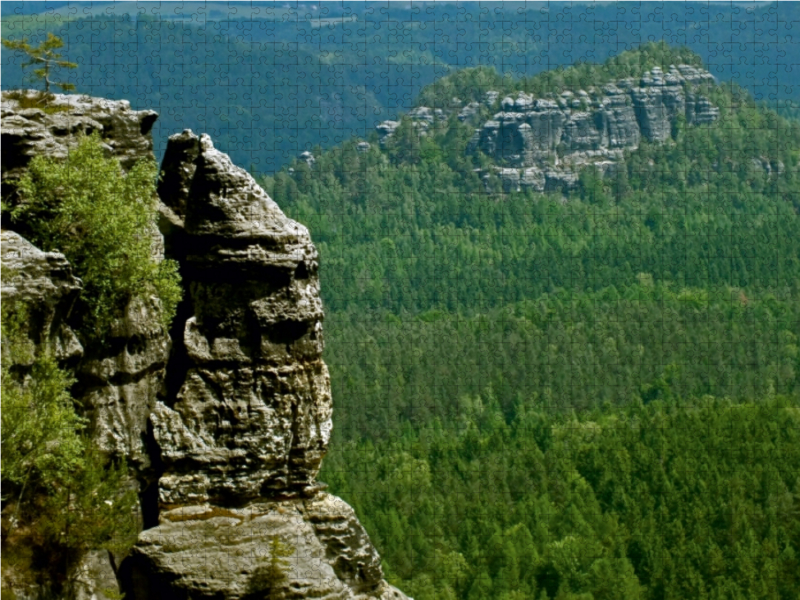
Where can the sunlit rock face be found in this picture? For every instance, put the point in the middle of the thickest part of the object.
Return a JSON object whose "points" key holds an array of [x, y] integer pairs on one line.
{"points": [[204, 551], [545, 141], [246, 416], [32, 131], [251, 411]]}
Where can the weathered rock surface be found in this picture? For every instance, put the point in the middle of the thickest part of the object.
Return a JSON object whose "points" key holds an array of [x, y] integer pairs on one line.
{"points": [[94, 577], [29, 132], [252, 410], [246, 413], [542, 143], [246, 419], [44, 283], [117, 382], [121, 381], [204, 551]]}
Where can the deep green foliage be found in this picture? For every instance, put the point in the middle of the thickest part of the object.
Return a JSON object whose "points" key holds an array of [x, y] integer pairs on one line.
{"points": [[61, 497], [716, 207], [567, 349], [40, 427], [103, 221], [669, 500], [509, 370], [679, 275]]}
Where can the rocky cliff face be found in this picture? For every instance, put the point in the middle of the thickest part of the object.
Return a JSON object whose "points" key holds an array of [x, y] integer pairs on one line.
{"points": [[118, 383], [44, 282], [51, 131], [252, 411], [542, 143], [247, 418], [227, 422]]}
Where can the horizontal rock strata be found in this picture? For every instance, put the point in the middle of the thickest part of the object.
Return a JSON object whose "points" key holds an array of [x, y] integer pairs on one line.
{"points": [[252, 411], [204, 551]]}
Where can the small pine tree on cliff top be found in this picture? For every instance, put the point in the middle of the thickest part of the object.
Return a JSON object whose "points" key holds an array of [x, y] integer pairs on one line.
{"points": [[45, 57]]}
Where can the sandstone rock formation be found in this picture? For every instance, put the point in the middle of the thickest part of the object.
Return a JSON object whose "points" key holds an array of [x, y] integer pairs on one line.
{"points": [[253, 411], [247, 415], [51, 131], [43, 281], [226, 424], [547, 140], [204, 551], [118, 382], [542, 143]]}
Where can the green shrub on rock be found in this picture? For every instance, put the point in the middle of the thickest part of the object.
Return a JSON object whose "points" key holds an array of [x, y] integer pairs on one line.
{"points": [[103, 220], [60, 496]]}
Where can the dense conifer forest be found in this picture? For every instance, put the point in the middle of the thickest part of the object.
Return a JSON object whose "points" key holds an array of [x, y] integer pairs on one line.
{"points": [[582, 394], [590, 394]]}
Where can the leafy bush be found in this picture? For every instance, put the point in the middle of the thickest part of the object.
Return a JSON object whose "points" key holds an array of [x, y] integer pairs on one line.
{"points": [[104, 222], [61, 496], [40, 427]]}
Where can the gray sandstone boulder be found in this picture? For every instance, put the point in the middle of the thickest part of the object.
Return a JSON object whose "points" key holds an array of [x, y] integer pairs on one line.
{"points": [[44, 284], [204, 551]]}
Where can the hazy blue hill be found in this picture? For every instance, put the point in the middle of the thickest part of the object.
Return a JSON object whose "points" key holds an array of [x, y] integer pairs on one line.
{"points": [[318, 74]]}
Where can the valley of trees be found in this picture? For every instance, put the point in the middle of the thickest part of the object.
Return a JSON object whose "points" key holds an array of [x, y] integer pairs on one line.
{"points": [[666, 500], [590, 395]]}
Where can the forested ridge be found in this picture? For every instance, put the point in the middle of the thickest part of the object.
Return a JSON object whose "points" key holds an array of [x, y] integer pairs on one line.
{"points": [[590, 393], [584, 394], [268, 81]]}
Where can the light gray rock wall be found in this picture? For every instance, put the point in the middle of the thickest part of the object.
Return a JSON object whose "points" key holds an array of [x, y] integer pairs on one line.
{"points": [[559, 136], [204, 551], [246, 419], [252, 413]]}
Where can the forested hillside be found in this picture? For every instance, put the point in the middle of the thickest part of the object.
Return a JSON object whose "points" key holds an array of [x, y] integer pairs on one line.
{"points": [[268, 81], [588, 389], [534, 390]]}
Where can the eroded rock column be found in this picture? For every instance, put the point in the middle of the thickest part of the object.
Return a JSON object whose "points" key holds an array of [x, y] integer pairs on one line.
{"points": [[252, 414], [246, 418]]}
